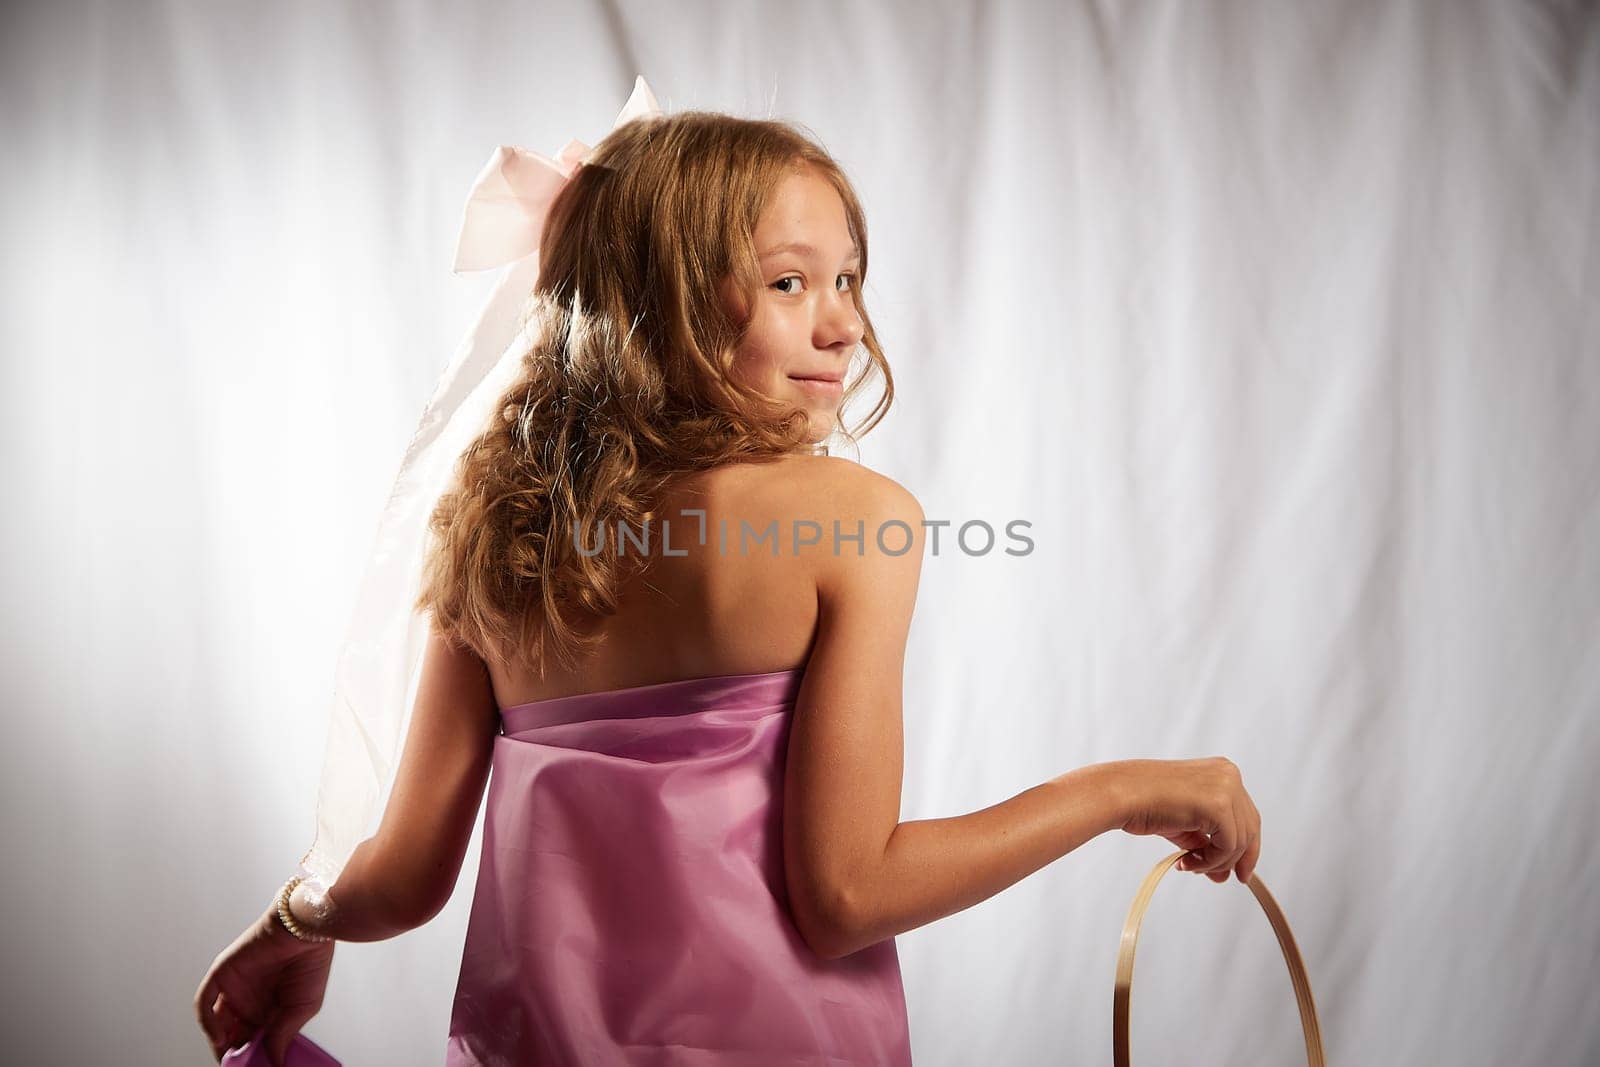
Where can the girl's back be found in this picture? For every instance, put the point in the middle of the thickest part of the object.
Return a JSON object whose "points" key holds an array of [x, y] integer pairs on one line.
{"points": [[714, 610]]}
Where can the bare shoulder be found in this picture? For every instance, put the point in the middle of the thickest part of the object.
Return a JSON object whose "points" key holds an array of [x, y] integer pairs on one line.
{"points": [[850, 482], [867, 523], [823, 522], [826, 488]]}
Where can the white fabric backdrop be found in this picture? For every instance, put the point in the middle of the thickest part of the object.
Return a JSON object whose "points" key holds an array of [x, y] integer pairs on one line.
{"points": [[1278, 322]]}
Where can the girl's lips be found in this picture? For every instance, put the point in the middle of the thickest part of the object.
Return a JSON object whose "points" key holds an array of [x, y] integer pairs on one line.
{"points": [[819, 385]]}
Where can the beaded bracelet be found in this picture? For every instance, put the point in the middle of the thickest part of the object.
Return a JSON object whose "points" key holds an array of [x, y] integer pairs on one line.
{"points": [[286, 917]]}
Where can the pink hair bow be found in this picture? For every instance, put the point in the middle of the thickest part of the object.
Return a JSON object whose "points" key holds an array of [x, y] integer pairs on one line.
{"points": [[505, 211]]}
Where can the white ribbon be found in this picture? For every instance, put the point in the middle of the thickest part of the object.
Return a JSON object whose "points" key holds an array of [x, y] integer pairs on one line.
{"points": [[376, 679]]}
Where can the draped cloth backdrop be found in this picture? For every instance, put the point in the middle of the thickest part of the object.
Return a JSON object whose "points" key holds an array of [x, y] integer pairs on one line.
{"points": [[1276, 324]]}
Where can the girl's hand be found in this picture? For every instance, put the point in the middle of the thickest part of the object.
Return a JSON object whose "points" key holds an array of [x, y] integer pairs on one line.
{"points": [[266, 978], [1200, 805]]}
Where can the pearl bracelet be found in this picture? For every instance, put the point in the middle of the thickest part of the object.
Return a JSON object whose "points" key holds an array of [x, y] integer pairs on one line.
{"points": [[286, 917]]}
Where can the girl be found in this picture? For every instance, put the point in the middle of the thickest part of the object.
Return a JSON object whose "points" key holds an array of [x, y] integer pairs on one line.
{"points": [[675, 628]]}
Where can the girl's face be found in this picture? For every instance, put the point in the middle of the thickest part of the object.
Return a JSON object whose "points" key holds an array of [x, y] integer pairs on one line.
{"points": [[804, 327]]}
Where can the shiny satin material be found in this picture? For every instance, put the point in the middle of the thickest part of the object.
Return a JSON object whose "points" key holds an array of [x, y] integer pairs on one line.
{"points": [[631, 906]]}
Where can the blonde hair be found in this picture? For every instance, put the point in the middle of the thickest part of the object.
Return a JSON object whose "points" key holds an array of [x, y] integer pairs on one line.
{"points": [[628, 385]]}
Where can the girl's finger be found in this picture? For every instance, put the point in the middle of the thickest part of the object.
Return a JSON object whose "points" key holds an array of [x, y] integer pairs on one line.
{"points": [[1252, 843], [1192, 840], [227, 1021], [1252, 856], [1224, 843], [237, 1027], [1197, 843], [206, 1004]]}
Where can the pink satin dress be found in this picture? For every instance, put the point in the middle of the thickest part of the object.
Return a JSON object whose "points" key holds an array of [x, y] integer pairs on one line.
{"points": [[631, 906]]}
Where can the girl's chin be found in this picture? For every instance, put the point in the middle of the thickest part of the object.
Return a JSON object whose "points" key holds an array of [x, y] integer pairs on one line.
{"points": [[823, 411], [822, 425]]}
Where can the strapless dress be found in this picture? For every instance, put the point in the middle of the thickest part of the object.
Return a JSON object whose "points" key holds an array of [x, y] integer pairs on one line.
{"points": [[631, 906]]}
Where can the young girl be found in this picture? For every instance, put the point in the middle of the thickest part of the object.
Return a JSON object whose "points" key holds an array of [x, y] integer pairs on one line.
{"points": [[675, 628]]}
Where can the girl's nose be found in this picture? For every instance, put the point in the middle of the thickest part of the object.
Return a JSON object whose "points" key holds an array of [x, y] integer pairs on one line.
{"points": [[843, 322]]}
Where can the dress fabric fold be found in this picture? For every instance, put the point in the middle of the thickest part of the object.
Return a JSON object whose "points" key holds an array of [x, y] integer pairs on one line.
{"points": [[631, 906]]}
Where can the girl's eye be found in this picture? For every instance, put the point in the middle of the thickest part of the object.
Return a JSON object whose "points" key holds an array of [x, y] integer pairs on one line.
{"points": [[796, 278]]}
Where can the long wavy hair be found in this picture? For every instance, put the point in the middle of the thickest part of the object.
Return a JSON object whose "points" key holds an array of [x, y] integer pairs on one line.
{"points": [[628, 385]]}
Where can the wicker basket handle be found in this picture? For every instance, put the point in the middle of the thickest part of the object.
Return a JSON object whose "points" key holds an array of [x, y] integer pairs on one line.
{"points": [[1280, 926]]}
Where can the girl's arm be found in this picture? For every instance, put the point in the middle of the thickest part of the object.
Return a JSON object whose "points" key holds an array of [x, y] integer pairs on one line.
{"points": [[856, 873], [404, 874]]}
